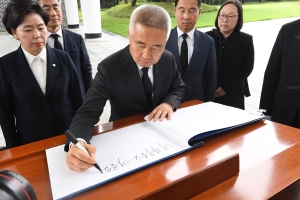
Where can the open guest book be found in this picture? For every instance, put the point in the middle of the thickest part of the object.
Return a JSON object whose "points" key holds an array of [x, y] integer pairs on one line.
{"points": [[132, 148]]}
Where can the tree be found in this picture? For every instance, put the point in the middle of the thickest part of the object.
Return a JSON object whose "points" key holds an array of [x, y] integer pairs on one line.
{"points": [[133, 2]]}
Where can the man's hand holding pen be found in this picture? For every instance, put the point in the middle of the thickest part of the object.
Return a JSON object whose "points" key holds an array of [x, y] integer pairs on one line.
{"points": [[77, 160]]}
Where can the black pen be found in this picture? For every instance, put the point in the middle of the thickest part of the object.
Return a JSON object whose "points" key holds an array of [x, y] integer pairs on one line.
{"points": [[79, 146]]}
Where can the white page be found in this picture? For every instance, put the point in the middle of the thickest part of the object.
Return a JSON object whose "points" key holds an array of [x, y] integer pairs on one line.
{"points": [[118, 152], [132, 147], [193, 120]]}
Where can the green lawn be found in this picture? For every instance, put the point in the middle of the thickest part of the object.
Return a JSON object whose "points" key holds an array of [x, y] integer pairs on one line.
{"points": [[252, 12]]}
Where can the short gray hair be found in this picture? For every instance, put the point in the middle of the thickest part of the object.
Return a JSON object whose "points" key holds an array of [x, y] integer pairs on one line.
{"points": [[39, 1], [151, 16]]}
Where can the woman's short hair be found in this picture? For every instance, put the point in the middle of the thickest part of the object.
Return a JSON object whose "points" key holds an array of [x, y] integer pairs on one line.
{"points": [[16, 11], [151, 16], [238, 4]]}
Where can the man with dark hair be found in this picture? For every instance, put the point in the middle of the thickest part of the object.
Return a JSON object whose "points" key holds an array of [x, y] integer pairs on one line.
{"points": [[194, 52], [68, 41], [140, 78]]}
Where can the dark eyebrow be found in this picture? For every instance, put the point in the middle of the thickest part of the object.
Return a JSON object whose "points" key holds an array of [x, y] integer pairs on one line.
{"points": [[140, 42], [157, 45], [227, 14]]}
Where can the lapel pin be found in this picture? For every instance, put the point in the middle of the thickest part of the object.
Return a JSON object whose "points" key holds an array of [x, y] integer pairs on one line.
{"points": [[53, 65]]}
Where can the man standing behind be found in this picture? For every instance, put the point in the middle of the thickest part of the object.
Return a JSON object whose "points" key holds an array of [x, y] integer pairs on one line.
{"points": [[194, 52], [68, 41], [141, 78], [280, 94]]}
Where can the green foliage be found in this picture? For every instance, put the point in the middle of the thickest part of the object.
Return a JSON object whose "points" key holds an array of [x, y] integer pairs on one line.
{"points": [[125, 10], [208, 8], [121, 11], [78, 3], [252, 12], [271, 10]]}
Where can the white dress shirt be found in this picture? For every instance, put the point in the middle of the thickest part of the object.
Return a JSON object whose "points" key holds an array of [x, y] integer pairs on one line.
{"points": [[38, 66], [50, 40], [189, 40]]}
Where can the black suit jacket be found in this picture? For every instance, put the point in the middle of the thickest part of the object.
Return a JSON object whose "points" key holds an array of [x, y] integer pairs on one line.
{"points": [[118, 81], [280, 94], [235, 63], [201, 73], [75, 46], [26, 114]]}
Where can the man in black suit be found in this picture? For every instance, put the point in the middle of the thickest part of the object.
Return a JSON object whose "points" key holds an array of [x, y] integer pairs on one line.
{"points": [[120, 80], [68, 41], [280, 95]]}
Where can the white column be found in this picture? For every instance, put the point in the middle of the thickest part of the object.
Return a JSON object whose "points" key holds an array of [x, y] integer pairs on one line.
{"points": [[91, 18], [72, 13]]}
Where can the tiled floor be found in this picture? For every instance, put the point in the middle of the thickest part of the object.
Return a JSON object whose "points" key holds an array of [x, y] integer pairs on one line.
{"points": [[264, 34]]}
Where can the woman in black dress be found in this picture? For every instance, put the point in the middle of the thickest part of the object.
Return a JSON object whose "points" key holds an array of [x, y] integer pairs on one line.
{"points": [[235, 55]]}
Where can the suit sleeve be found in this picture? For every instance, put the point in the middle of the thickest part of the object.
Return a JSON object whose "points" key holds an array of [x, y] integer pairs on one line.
{"points": [[7, 114], [88, 115], [244, 70], [272, 75], [176, 89], [210, 73], [86, 67]]}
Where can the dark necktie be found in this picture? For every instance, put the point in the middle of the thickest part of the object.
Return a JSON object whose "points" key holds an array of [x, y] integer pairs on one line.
{"points": [[184, 53], [147, 86], [57, 44]]}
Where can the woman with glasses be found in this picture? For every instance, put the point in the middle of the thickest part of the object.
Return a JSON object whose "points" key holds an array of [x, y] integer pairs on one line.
{"points": [[235, 55], [39, 87]]}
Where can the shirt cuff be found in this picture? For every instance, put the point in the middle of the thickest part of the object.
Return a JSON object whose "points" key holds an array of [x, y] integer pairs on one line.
{"points": [[77, 139]]}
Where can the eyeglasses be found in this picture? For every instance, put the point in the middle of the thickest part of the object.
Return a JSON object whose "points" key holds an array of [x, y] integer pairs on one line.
{"points": [[229, 17]]}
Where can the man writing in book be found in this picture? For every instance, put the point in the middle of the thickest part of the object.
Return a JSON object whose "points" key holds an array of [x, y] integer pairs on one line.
{"points": [[140, 78]]}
